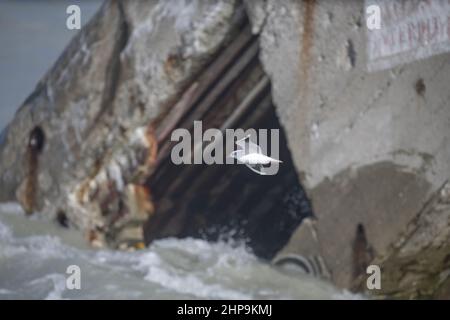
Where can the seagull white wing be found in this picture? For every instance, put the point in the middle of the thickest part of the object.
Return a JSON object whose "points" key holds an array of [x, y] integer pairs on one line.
{"points": [[248, 146], [238, 154], [258, 168]]}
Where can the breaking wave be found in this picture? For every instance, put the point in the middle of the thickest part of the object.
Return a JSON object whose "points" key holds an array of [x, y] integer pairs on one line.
{"points": [[34, 256]]}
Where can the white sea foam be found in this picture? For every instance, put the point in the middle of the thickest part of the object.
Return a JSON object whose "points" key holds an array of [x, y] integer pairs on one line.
{"points": [[34, 256], [57, 283]]}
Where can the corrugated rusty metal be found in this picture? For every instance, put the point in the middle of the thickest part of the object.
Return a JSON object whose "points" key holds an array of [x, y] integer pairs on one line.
{"points": [[190, 200]]}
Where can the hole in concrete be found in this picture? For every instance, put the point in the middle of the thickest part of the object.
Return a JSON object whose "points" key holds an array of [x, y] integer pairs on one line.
{"points": [[62, 220], [351, 53], [36, 140], [420, 87], [360, 231]]}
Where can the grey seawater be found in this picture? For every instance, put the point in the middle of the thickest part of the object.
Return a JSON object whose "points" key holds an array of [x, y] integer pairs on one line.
{"points": [[34, 256]]}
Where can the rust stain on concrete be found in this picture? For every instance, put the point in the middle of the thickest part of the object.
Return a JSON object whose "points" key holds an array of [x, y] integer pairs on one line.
{"points": [[307, 39], [26, 193]]}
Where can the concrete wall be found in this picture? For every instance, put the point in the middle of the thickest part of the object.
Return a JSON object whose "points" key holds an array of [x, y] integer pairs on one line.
{"points": [[370, 148]]}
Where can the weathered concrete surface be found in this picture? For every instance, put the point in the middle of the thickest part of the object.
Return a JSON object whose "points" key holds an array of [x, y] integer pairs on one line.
{"points": [[417, 265], [98, 109], [371, 148]]}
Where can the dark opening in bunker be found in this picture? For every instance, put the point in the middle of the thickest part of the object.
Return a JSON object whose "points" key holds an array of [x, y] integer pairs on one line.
{"points": [[227, 201], [36, 140]]}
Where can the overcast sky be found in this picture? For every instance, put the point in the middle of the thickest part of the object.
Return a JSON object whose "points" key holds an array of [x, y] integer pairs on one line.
{"points": [[33, 34]]}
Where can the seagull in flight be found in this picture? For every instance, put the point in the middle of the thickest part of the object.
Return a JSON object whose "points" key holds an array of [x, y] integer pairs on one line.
{"points": [[252, 156]]}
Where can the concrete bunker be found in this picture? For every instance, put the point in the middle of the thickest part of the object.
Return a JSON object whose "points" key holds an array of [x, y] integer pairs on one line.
{"points": [[228, 201]]}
